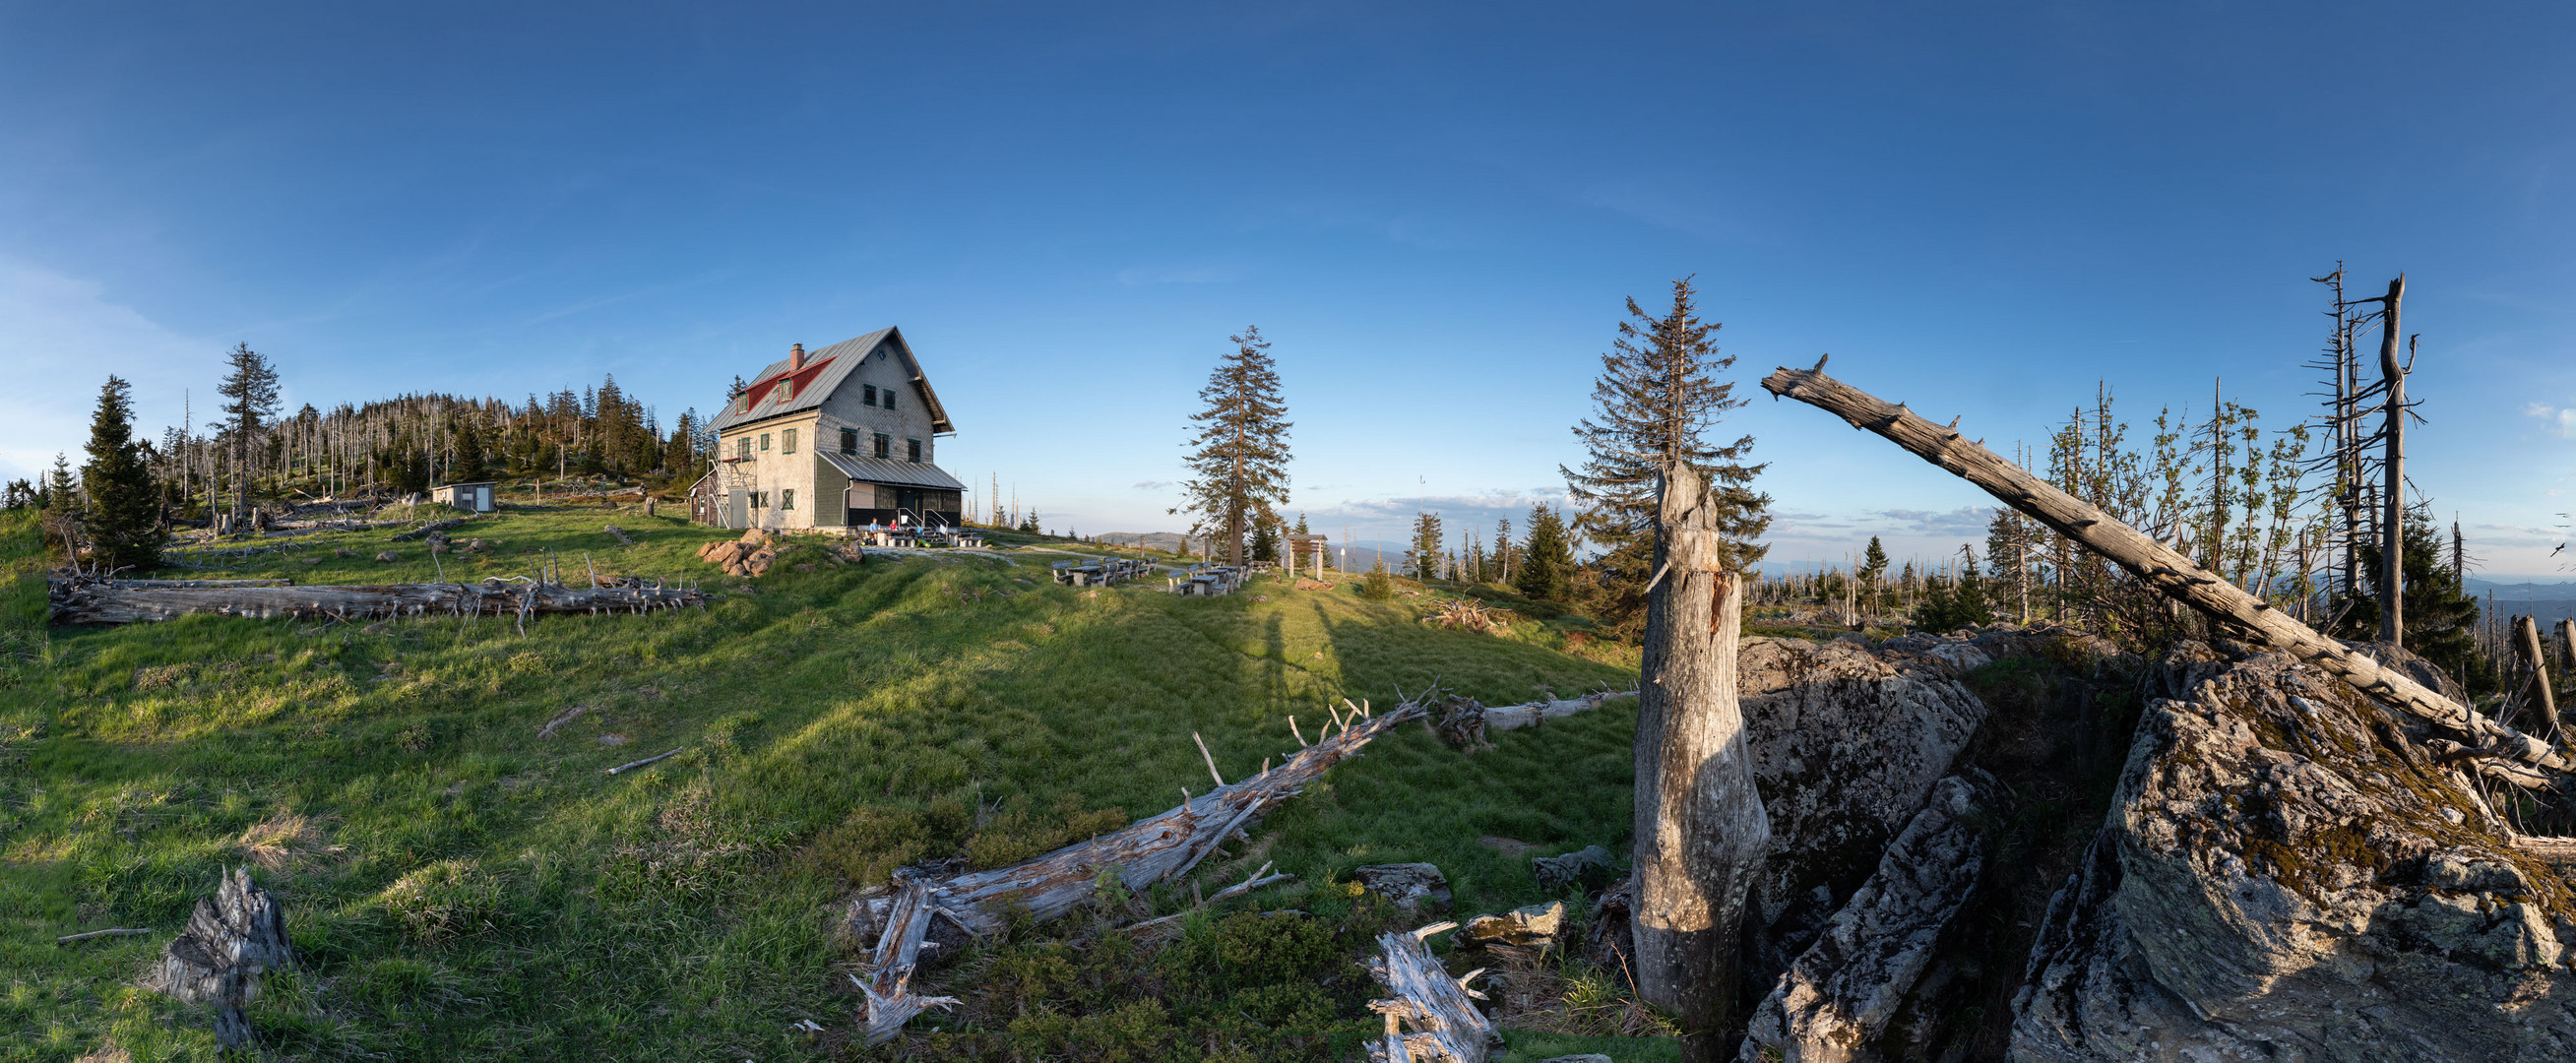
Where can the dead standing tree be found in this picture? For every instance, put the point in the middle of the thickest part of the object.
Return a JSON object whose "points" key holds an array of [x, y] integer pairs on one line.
{"points": [[1700, 827], [2392, 496], [2500, 751]]}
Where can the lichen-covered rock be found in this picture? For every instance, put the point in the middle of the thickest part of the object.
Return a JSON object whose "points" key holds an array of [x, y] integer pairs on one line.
{"points": [[1837, 999], [1848, 742], [1532, 927], [1407, 885], [2284, 875]]}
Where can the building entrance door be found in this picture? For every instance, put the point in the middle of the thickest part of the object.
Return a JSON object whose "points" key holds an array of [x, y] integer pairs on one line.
{"points": [[738, 510]]}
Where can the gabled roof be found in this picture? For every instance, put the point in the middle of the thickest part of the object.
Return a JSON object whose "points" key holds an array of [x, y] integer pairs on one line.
{"points": [[823, 373]]}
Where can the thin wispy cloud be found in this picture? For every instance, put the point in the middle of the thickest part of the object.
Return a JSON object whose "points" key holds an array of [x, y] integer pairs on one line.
{"points": [[2557, 421]]}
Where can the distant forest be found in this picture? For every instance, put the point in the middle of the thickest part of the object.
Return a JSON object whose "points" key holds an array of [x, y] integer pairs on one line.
{"points": [[406, 444]]}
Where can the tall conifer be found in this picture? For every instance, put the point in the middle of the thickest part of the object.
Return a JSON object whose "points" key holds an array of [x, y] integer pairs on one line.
{"points": [[1655, 401], [1422, 561], [250, 391], [1238, 458], [124, 516]]}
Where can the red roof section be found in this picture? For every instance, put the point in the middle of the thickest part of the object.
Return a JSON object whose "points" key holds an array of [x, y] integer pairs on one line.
{"points": [[759, 390]]}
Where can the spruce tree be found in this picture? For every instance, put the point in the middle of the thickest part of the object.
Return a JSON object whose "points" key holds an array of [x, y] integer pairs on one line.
{"points": [[468, 466], [1238, 458], [2441, 614], [1547, 557], [1422, 561], [250, 391], [1265, 541], [62, 492], [124, 517], [1657, 398]]}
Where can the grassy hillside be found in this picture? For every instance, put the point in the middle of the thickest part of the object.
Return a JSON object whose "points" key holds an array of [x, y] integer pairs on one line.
{"points": [[463, 886]]}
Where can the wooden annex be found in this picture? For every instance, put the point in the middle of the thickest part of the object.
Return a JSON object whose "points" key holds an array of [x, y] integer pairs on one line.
{"points": [[840, 437]]}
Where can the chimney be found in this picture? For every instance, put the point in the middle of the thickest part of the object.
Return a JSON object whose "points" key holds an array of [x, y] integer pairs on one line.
{"points": [[796, 358]]}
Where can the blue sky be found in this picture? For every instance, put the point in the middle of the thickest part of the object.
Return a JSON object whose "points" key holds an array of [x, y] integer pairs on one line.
{"points": [[1434, 212]]}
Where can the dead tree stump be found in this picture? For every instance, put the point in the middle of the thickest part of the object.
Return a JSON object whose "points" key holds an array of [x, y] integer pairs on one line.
{"points": [[1700, 827], [230, 941]]}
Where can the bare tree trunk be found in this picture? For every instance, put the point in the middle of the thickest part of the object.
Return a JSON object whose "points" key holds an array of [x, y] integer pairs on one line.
{"points": [[2526, 645], [2160, 566], [2392, 538], [1700, 828]]}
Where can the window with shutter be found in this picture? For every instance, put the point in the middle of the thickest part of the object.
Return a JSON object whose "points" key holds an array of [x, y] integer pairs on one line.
{"points": [[868, 395], [849, 441], [885, 445], [787, 442], [913, 447]]}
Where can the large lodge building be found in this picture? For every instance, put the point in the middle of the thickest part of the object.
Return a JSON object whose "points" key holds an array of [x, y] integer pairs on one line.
{"points": [[840, 437]]}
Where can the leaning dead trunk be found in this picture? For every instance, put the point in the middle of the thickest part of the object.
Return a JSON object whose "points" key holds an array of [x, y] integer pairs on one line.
{"points": [[1700, 827], [2177, 576]]}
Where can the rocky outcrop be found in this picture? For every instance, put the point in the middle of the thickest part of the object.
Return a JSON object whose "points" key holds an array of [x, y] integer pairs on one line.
{"points": [[2286, 875], [752, 555], [1848, 742], [1838, 998]]}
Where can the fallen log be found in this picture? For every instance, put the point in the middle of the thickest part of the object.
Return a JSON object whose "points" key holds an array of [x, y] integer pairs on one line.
{"points": [[79, 601], [1046, 887], [2179, 577], [1447, 1027], [1529, 714], [190, 584], [620, 534]]}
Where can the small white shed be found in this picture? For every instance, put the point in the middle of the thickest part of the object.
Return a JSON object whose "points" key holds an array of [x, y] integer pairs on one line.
{"points": [[472, 498]]}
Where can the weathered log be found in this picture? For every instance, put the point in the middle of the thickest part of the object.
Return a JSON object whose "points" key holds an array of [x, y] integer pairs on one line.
{"points": [[2172, 573], [1700, 827], [1447, 1028], [1515, 717], [194, 584], [230, 941], [620, 534], [888, 987], [75, 601], [1141, 854]]}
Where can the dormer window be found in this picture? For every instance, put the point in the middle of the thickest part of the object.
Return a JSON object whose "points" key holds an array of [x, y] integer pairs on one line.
{"points": [[868, 395]]}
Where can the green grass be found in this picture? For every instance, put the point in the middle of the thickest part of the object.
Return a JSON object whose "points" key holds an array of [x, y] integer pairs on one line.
{"points": [[459, 888]]}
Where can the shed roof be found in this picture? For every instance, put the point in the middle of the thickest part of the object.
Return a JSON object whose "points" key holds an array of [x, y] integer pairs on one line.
{"points": [[890, 471], [823, 373]]}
